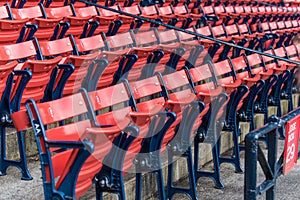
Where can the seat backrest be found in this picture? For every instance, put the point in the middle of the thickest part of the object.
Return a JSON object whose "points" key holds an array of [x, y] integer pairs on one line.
{"points": [[265, 27], [243, 28], [203, 78], [288, 24], [224, 72], [208, 10], [255, 63], [240, 66], [219, 9], [165, 10], [262, 9], [180, 9], [206, 30], [281, 25], [146, 38], [93, 43], [60, 12], [62, 158], [168, 36], [273, 26], [148, 94], [247, 9], [56, 47], [232, 30], [113, 105], [4, 12], [291, 52], [120, 41], [183, 37], [149, 10], [108, 13], [229, 9], [30, 12], [89, 11], [178, 87], [219, 31], [239, 9], [135, 9], [280, 52]]}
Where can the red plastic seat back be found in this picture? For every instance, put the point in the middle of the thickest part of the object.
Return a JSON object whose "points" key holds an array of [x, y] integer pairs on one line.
{"points": [[135, 9], [179, 89], [240, 67], [59, 12], [30, 12], [292, 52], [56, 47], [168, 36], [4, 13], [219, 31], [223, 72], [112, 104], [120, 41], [149, 10], [146, 38], [166, 10], [144, 91], [202, 78], [232, 30], [89, 11], [255, 63], [93, 43], [208, 10]]}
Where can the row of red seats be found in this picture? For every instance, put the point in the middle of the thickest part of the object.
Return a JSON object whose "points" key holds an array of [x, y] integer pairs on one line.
{"points": [[230, 76], [227, 77]]}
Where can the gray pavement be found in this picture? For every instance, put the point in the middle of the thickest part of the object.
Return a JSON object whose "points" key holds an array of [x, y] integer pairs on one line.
{"points": [[11, 187]]}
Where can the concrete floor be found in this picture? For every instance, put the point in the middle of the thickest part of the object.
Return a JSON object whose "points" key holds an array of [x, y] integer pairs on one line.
{"points": [[11, 187]]}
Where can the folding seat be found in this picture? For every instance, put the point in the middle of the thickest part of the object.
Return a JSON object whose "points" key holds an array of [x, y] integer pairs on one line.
{"points": [[189, 110], [173, 51], [13, 31], [251, 70], [236, 32], [289, 52], [225, 13], [129, 22], [146, 48], [211, 93], [211, 46], [239, 14], [183, 14], [237, 92], [31, 78], [179, 104], [101, 20], [150, 12], [72, 154], [108, 65], [180, 19], [209, 15], [67, 14], [221, 53], [269, 37], [47, 28], [65, 48], [152, 126]]}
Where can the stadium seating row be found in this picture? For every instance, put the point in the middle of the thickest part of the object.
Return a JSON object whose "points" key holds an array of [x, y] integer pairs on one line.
{"points": [[140, 96]]}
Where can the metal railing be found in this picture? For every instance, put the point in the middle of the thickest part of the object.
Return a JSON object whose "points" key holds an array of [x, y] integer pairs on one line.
{"points": [[271, 165]]}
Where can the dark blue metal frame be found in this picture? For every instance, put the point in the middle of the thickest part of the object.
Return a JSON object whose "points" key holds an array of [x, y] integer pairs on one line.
{"points": [[271, 166]]}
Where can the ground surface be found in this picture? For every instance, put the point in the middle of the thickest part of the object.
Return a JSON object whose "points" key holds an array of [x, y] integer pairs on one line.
{"points": [[11, 187]]}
